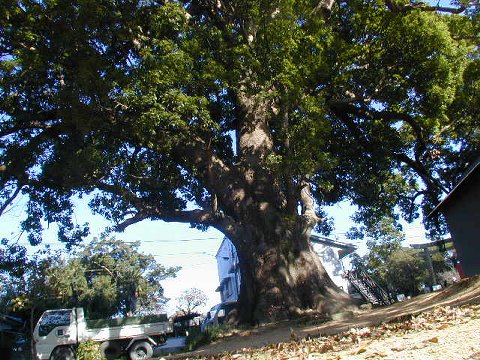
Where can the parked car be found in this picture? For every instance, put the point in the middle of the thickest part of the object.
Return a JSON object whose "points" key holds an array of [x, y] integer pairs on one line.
{"points": [[218, 314]]}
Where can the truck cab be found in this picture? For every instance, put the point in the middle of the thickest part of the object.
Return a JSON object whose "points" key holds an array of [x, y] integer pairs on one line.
{"points": [[55, 328], [58, 333]]}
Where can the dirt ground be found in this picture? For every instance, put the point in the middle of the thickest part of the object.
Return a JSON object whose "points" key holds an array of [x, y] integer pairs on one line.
{"points": [[440, 325]]}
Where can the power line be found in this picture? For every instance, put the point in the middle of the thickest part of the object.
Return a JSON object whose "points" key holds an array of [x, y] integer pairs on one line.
{"points": [[132, 241], [184, 253], [173, 240]]}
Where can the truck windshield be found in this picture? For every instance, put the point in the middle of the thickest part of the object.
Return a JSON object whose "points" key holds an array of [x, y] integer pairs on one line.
{"points": [[52, 319]]}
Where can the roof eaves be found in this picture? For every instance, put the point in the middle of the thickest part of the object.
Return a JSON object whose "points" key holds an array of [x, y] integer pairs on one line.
{"points": [[475, 166], [330, 242]]}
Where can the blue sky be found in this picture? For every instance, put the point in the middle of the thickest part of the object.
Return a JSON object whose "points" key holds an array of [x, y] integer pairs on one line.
{"points": [[175, 244], [172, 244]]}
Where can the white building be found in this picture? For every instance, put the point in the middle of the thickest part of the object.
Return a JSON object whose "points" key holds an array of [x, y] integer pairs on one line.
{"points": [[331, 253], [228, 271]]}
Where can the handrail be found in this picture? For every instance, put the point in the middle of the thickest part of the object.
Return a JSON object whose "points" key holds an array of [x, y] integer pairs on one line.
{"points": [[371, 291]]}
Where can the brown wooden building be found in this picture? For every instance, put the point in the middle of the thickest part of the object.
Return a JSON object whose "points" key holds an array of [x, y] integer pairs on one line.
{"points": [[461, 208]]}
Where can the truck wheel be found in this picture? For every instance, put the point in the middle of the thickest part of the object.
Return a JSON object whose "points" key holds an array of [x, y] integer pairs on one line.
{"points": [[62, 353], [110, 350], [140, 350]]}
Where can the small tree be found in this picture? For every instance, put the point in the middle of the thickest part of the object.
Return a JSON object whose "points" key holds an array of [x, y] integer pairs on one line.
{"points": [[406, 271], [190, 300], [391, 265], [107, 278], [383, 238], [118, 271]]}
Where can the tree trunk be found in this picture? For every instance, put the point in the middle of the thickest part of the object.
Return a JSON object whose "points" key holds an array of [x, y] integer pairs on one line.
{"points": [[282, 276]]}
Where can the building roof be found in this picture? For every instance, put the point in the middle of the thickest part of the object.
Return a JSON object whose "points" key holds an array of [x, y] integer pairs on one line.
{"points": [[344, 249], [331, 242], [467, 179], [225, 240]]}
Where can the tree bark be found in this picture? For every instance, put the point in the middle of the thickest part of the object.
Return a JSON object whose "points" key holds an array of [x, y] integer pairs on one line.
{"points": [[281, 275]]}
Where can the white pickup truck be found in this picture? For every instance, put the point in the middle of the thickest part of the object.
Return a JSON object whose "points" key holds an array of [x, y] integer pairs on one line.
{"points": [[58, 333]]}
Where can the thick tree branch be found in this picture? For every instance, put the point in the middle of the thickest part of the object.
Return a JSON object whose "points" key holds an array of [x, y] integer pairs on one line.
{"points": [[223, 181], [324, 7], [421, 145], [422, 172], [389, 116], [8, 201], [24, 122], [145, 210], [344, 111], [120, 227], [308, 203], [411, 200]]}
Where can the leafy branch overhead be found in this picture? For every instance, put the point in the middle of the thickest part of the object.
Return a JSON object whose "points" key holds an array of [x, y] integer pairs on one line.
{"points": [[248, 116], [140, 101]]}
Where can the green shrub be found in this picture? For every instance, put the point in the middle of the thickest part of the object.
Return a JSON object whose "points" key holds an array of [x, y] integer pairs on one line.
{"points": [[99, 323], [89, 350], [196, 338]]}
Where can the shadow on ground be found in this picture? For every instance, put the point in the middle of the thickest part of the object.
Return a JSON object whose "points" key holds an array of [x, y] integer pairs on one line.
{"points": [[464, 292]]}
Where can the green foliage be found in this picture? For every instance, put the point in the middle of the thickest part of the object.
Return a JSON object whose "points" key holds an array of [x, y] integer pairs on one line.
{"points": [[196, 338], [108, 277], [89, 350], [393, 266], [24, 289], [406, 271], [121, 280], [441, 263], [397, 268], [378, 106]]}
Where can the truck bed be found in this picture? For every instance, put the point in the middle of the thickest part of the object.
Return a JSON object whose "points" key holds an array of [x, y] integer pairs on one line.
{"points": [[102, 323], [126, 331]]}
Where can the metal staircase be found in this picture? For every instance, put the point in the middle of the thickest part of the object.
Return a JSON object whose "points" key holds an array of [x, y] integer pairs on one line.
{"points": [[368, 288]]}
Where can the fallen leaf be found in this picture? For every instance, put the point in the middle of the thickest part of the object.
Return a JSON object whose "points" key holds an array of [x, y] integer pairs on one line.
{"points": [[361, 350], [398, 347], [324, 348], [433, 340]]}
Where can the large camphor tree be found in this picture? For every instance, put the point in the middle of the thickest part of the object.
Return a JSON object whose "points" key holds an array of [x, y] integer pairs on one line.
{"points": [[246, 116]]}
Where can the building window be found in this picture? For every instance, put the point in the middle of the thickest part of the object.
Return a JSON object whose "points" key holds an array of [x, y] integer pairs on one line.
{"points": [[228, 287]]}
